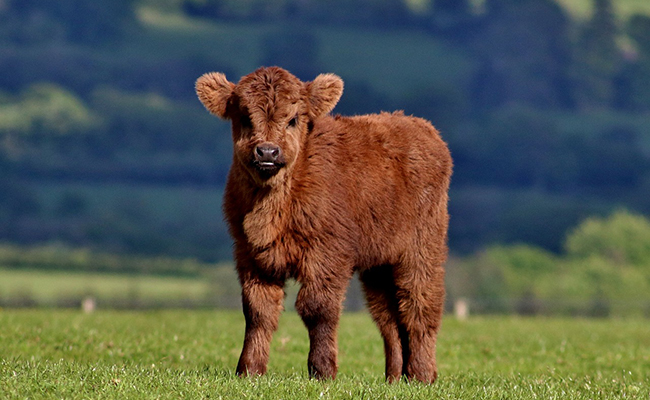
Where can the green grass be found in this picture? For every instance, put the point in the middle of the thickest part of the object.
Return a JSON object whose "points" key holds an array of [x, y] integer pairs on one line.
{"points": [[179, 354]]}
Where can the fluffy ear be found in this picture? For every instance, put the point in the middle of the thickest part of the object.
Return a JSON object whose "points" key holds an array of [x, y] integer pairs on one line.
{"points": [[324, 92], [214, 91]]}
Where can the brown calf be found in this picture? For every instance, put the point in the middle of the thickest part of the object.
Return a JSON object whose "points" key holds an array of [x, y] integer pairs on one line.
{"points": [[315, 198]]}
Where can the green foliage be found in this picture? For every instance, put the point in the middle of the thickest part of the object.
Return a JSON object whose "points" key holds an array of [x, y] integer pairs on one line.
{"points": [[605, 271], [501, 79], [450, 13], [294, 48], [522, 267], [583, 9], [46, 109], [622, 238], [612, 257], [525, 51], [538, 158], [64, 259], [359, 12], [598, 58], [638, 29], [180, 354], [38, 21], [233, 9], [479, 281], [151, 123]]}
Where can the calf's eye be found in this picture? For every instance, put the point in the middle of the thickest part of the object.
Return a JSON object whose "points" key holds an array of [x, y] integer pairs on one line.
{"points": [[293, 122], [245, 121]]}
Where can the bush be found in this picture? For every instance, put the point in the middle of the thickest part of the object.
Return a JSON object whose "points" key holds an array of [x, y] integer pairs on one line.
{"points": [[605, 271], [148, 122], [623, 238], [81, 21], [46, 109], [61, 258]]}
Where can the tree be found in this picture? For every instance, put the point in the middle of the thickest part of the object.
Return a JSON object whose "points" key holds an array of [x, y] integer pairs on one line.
{"points": [[16, 199], [605, 270], [522, 267], [78, 21], [623, 238], [598, 58], [638, 68], [452, 18], [523, 50], [45, 109], [294, 48], [610, 258], [251, 10], [378, 13]]}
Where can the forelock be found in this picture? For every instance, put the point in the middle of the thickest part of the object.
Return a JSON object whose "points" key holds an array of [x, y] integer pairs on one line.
{"points": [[268, 91]]}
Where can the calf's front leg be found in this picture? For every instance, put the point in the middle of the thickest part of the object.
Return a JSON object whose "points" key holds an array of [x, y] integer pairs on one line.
{"points": [[262, 302]]}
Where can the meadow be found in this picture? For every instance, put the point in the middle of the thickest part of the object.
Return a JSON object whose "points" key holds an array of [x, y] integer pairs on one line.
{"points": [[192, 354], [55, 288]]}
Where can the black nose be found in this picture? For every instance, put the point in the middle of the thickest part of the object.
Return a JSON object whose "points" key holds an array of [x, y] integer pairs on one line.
{"points": [[267, 152]]}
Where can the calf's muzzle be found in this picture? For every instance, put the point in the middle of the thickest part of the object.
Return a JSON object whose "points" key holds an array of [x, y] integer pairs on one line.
{"points": [[268, 153]]}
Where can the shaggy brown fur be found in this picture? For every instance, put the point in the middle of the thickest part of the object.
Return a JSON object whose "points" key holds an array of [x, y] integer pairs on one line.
{"points": [[315, 198]]}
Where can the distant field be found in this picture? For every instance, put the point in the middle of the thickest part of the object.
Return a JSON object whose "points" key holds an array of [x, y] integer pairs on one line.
{"points": [[42, 288], [46, 288], [181, 354]]}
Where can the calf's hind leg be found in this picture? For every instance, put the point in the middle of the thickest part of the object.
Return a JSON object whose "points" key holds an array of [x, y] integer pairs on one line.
{"points": [[420, 295], [380, 292]]}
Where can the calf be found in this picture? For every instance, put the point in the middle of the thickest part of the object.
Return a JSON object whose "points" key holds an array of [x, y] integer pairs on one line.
{"points": [[316, 197]]}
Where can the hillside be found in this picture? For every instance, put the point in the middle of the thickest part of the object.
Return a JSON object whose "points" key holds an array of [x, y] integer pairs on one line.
{"points": [[104, 145]]}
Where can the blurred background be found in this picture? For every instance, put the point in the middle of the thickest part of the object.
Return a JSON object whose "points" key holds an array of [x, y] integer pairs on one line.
{"points": [[111, 172]]}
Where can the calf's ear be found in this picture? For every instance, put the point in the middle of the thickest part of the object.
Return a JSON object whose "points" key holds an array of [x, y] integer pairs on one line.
{"points": [[215, 91], [324, 92]]}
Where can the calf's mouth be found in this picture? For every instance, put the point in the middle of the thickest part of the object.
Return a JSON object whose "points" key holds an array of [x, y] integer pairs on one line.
{"points": [[268, 159], [267, 166]]}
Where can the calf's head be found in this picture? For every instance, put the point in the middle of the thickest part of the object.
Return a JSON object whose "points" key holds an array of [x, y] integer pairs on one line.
{"points": [[271, 112]]}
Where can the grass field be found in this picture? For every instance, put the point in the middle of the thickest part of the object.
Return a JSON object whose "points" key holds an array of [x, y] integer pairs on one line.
{"points": [[217, 286], [47, 288], [180, 354]]}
